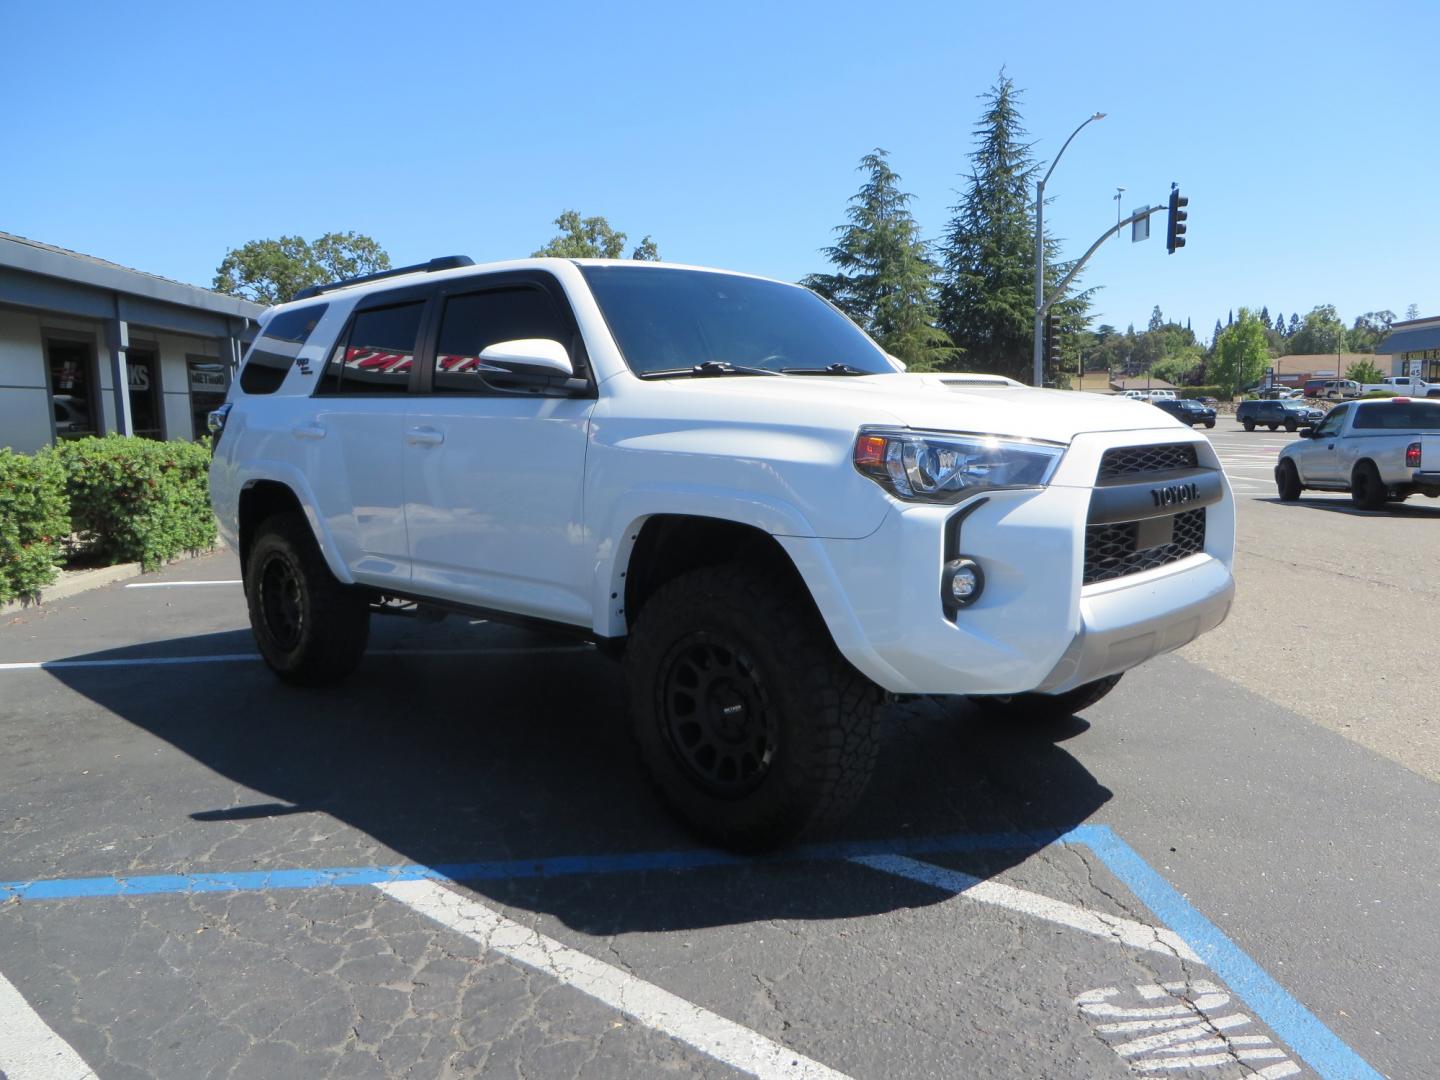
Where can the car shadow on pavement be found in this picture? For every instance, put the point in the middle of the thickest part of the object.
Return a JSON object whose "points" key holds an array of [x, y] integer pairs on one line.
{"points": [[456, 743], [1341, 504]]}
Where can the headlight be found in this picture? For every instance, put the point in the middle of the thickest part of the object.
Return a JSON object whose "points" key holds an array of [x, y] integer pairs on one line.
{"points": [[934, 467]]}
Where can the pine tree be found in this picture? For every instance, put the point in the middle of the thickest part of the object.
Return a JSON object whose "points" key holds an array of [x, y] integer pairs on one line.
{"points": [[885, 280], [987, 299], [1265, 316], [1294, 326], [1157, 320], [1216, 336], [1280, 323], [1231, 320]]}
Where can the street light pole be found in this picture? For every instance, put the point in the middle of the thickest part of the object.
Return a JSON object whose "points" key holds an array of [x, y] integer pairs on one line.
{"points": [[1039, 351]]}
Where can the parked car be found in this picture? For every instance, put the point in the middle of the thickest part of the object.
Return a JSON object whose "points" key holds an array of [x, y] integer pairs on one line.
{"points": [[722, 481], [1291, 414], [1381, 451], [1149, 395], [1186, 411], [1332, 389], [1278, 392], [1403, 384]]}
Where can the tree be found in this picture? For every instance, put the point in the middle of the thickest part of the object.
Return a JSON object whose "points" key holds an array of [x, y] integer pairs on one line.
{"points": [[1293, 328], [987, 294], [1321, 332], [273, 271], [1280, 324], [1412, 312], [1240, 354], [1156, 319], [1215, 337], [1369, 330], [1364, 371], [592, 238], [884, 278]]}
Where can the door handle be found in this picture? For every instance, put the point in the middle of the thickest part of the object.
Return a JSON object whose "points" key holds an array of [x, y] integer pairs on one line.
{"points": [[424, 436], [308, 431]]}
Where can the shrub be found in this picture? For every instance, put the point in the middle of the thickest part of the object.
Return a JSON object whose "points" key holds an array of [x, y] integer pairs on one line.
{"points": [[1380, 393], [138, 500], [1222, 392], [34, 520]]}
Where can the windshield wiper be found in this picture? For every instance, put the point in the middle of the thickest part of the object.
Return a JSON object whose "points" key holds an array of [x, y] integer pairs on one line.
{"points": [[708, 369], [829, 369]]}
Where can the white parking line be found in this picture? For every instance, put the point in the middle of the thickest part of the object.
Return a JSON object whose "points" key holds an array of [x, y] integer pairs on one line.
{"points": [[179, 584], [708, 1032], [29, 1050], [1111, 927], [249, 658]]}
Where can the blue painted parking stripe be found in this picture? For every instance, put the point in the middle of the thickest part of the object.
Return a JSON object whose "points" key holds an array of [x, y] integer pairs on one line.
{"points": [[1320, 1047], [560, 866]]}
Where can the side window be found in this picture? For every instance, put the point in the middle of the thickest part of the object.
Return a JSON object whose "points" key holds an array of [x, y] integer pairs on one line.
{"points": [[376, 356], [275, 350], [1332, 423], [472, 322]]}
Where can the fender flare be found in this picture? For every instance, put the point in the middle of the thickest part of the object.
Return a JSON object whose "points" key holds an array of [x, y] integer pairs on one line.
{"points": [[277, 472]]}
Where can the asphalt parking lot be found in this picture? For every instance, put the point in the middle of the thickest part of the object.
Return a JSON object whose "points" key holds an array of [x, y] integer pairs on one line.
{"points": [[452, 865]]}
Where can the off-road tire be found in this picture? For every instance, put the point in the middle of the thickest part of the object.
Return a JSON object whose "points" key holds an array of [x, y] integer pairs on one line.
{"points": [[1292, 425], [1048, 708], [1287, 481], [800, 749], [1272, 427], [1249, 425], [1209, 423], [311, 629], [1367, 490]]}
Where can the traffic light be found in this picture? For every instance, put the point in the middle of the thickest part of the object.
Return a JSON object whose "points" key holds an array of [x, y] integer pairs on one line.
{"points": [[1175, 233]]}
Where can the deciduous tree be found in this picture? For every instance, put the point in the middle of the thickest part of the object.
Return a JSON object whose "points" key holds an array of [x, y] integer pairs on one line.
{"points": [[1240, 353], [592, 238], [273, 271]]}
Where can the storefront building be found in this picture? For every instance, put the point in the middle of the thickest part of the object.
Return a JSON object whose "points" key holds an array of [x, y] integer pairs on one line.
{"points": [[1416, 345], [73, 329]]}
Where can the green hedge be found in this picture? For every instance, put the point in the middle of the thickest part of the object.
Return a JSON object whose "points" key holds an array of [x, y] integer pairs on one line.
{"points": [[1224, 393], [138, 500], [34, 521]]}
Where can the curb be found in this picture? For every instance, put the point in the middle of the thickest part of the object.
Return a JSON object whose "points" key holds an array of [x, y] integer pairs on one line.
{"points": [[86, 580]]}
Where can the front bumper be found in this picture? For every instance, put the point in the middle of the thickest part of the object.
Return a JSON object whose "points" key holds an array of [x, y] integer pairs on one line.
{"points": [[1035, 627]]}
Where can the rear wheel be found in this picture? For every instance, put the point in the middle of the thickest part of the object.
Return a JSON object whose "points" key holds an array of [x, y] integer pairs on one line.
{"points": [[1272, 427], [1367, 490], [1048, 708], [751, 724], [310, 628], [1249, 425], [1287, 481]]}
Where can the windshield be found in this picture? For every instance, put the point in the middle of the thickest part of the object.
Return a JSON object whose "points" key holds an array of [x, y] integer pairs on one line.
{"points": [[667, 320]]}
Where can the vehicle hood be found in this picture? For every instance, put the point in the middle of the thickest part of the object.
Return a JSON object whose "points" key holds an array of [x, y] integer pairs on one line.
{"points": [[928, 401]]}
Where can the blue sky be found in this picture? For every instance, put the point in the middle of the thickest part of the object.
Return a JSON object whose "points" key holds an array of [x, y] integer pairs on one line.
{"points": [[159, 135]]}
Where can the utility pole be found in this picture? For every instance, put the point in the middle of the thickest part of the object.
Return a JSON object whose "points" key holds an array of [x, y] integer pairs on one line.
{"points": [[1038, 354]]}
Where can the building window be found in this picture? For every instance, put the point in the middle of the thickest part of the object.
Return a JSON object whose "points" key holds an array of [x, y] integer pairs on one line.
{"points": [[143, 367], [72, 387], [209, 381]]}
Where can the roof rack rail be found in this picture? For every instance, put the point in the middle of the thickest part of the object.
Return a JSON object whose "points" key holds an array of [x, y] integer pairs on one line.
{"points": [[445, 262]]}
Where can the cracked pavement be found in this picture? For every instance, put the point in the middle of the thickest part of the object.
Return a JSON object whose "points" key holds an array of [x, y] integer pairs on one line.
{"points": [[1313, 854]]}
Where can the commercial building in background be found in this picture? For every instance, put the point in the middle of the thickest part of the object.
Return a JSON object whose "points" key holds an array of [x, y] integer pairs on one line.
{"points": [[73, 329], [1415, 344], [1297, 369]]}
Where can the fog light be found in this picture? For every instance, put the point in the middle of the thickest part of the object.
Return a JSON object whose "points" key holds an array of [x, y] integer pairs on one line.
{"points": [[961, 584]]}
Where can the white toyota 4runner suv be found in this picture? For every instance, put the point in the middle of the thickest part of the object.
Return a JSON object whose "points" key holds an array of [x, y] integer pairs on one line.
{"points": [[723, 479]]}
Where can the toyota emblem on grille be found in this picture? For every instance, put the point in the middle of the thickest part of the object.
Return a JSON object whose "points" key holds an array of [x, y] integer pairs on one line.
{"points": [[1175, 494]]}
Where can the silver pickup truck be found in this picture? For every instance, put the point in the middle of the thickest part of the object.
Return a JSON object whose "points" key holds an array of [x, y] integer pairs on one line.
{"points": [[1381, 451]]}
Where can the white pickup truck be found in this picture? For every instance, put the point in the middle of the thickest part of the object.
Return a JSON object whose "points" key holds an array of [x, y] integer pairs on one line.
{"points": [[1403, 384], [1381, 451], [721, 479]]}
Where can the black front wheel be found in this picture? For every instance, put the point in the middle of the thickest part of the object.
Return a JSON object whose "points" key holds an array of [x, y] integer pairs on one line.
{"points": [[310, 628], [1287, 481], [1249, 425], [751, 724]]}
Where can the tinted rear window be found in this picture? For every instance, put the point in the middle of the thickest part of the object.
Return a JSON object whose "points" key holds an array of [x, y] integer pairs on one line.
{"points": [[1398, 416], [277, 346]]}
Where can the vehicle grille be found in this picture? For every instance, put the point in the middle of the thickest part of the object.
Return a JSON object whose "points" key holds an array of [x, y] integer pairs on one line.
{"points": [[1110, 549], [1128, 460]]}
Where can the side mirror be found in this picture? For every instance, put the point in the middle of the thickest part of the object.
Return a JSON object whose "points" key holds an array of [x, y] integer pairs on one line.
{"points": [[528, 356]]}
